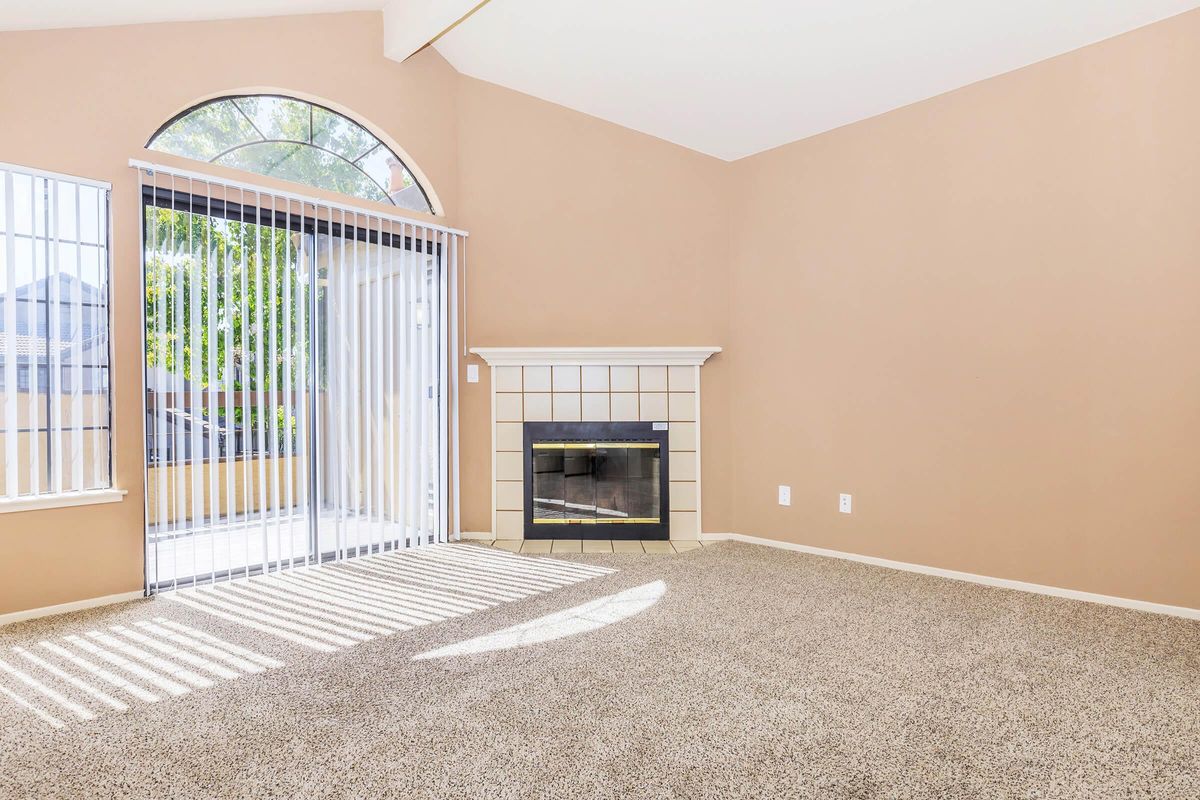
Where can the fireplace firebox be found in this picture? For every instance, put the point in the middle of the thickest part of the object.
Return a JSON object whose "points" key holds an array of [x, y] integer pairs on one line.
{"points": [[596, 480]]}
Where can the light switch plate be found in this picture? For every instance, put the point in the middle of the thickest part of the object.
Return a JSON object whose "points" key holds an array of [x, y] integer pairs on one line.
{"points": [[472, 373], [785, 495]]}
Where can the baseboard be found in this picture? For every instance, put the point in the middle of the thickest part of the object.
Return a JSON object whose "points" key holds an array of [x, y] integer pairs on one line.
{"points": [[66, 608], [476, 535], [1002, 583]]}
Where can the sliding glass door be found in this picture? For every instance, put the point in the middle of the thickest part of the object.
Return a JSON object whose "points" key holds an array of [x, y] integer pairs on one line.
{"points": [[295, 384]]}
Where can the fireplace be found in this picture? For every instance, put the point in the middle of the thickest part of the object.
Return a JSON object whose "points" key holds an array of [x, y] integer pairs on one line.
{"points": [[596, 480]]}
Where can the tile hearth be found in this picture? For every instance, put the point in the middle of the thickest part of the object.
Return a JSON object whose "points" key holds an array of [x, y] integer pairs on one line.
{"points": [[591, 546]]}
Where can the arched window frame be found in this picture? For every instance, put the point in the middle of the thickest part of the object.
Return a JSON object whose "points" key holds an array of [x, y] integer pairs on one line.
{"points": [[430, 207]]}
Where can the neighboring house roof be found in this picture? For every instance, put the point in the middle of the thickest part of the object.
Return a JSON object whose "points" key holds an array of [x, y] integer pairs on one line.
{"points": [[28, 345], [41, 347]]}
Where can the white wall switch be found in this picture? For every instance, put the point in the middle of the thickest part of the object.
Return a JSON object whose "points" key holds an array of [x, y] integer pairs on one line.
{"points": [[472, 373], [785, 495], [844, 503]]}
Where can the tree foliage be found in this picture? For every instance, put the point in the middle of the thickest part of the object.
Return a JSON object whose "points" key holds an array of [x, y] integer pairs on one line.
{"points": [[225, 290]]}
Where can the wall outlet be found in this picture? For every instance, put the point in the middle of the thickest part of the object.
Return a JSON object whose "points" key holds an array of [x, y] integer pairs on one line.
{"points": [[844, 503], [472, 373], [785, 495]]}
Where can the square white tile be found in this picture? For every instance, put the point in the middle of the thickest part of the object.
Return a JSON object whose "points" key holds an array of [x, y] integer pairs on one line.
{"points": [[652, 379], [508, 407], [510, 524], [595, 406], [510, 467], [653, 406], [681, 406], [537, 379], [623, 379], [683, 495], [685, 525], [682, 467], [594, 378], [510, 436], [623, 406], [510, 495], [537, 407], [566, 379], [681, 379], [566, 407], [508, 379], [682, 436]]}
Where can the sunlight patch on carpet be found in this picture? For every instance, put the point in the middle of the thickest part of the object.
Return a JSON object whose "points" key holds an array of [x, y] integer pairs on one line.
{"points": [[583, 618]]}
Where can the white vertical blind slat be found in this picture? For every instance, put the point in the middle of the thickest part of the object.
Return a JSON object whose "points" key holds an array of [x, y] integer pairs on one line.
{"points": [[400, 390], [212, 382], [157, 406], [247, 429], [260, 398], [455, 530], [379, 462], [11, 407], [179, 442], [440, 386], [412, 435], [194, 385], [54, 338], [423, 387], [285, 386], [75, 326], [99, 371], [32, 317], [390, 384]]}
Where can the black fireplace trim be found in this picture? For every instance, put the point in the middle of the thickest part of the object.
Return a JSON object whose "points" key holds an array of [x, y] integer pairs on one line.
{"points": [[600, 432]]}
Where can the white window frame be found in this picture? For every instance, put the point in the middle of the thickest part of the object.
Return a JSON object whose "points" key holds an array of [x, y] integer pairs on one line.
{"points": [[65, 490]]}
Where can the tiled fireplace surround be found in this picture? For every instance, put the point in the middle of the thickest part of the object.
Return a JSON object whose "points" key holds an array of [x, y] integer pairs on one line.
{"points": [[651, 384]]}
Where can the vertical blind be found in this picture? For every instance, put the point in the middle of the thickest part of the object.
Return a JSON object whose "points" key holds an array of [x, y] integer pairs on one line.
{"points": [[54, 343], [299, 357]]}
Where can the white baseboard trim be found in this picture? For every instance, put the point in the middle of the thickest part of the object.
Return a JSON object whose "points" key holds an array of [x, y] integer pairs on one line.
{"points": [[986, 580], [476, 535], [66, 608]]}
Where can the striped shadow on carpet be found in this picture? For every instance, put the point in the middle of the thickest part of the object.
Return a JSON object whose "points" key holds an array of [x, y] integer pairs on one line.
{"points": [[335, 606], [89, 670]]}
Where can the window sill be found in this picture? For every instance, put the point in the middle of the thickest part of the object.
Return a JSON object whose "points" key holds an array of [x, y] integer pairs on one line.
{"points": [[65, 500]]}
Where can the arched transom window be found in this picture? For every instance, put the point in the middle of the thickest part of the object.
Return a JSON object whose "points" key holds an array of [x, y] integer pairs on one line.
{"points": [[293, 140]]}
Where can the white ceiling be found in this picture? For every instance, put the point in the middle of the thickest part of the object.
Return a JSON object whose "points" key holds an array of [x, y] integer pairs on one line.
{"points": [[722, 77], [19, 15], [733, 77]]}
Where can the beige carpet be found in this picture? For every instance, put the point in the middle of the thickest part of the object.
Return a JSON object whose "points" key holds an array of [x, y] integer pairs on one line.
{"points": [[758, 673]]}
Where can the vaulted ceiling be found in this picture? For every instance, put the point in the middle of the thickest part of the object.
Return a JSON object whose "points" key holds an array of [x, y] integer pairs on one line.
{"points": [[724, 78]]}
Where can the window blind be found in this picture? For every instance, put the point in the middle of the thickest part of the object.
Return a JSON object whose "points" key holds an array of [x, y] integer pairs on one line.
{"points": [[54, 333], [299, 356]]}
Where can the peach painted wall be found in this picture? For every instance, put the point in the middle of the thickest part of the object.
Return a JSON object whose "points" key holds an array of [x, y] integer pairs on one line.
{"points": [[980, 315], [554, 194], [586, 233]]}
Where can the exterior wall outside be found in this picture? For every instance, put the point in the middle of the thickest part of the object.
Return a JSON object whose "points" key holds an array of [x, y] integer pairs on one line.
{"points": [[272, 472]]}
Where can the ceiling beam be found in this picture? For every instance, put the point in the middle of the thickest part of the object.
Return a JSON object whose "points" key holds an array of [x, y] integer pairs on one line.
{"points": [[411, 25]]}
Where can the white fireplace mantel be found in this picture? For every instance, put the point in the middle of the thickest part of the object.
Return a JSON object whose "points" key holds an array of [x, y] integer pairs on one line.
{"points": [[612, 356]]}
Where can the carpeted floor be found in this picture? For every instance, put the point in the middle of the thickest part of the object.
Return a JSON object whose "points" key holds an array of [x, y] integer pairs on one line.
{"points": [[757, 673]]}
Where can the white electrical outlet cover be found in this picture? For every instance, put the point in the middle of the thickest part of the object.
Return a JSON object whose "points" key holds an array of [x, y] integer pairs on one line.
{"points": [[472, 373], [845, 503], [785, 495]]}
